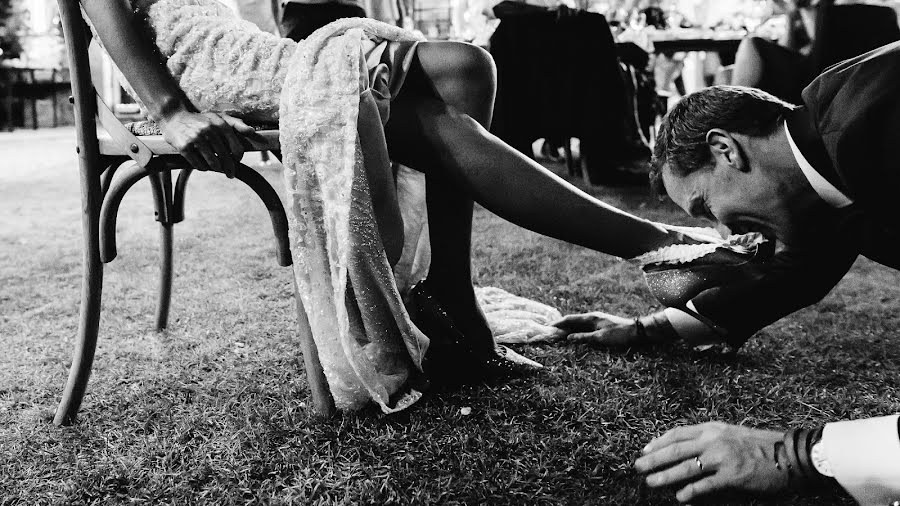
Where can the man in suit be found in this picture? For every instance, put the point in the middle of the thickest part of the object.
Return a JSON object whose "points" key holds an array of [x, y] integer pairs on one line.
{"points": [[751, 162]]}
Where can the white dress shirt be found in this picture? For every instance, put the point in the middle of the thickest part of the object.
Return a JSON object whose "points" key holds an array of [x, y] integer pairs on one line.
{"points": [[864, 456]]}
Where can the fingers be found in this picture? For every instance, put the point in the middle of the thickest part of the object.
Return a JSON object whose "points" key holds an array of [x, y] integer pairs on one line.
{"points": [[699, 488], [687, 469], [574, 322], [586, 337], [250, 134], [230, 128], [223, 140], [206, 140], [194, 158], [552, 335], [223, 153], [673, 436], [669, 455], [586, 322], [203, 147], [237, 124]]}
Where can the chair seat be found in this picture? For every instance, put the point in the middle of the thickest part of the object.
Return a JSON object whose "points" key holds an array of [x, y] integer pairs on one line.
{"points": [[149, 133]]}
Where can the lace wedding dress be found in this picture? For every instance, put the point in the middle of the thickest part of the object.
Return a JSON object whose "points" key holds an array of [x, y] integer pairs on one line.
{"points": [[317, 90]]}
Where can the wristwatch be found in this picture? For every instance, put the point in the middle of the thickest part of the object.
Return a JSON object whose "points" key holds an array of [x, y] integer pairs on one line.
{"points": [[820, 460]]}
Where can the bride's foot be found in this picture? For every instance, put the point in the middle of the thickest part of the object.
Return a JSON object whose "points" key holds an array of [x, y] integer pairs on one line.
{"points": [[452, 357], [677, 274]]}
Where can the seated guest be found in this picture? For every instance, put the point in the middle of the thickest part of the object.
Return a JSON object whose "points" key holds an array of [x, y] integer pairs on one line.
{"points": [[750, 161], [819, 34], [781, 68]]}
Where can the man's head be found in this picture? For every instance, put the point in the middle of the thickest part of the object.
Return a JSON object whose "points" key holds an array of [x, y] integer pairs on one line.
{"points": [[721, 154]]}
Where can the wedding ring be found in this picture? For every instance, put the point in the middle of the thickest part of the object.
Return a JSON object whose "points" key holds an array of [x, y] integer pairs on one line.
{"points": [[699, 464]]}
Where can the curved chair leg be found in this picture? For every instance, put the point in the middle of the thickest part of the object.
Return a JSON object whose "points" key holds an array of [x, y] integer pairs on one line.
{"points": [[91, 296], [117, 190], [179, 196], [269, 196], [165, 276], [112, 163], [163, 200]]}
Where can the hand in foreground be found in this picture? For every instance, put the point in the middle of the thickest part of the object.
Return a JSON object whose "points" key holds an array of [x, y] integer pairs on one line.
{"points": [[599, 328], [712, 458], [208, 141]]}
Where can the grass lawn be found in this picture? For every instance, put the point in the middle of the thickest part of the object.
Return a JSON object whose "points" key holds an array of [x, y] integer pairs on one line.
{"points": [[214, 410]]}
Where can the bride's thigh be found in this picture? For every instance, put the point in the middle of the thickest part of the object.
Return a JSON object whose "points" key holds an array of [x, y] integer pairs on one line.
{"points": [[449, 85], [463, 76], [412, 112]]}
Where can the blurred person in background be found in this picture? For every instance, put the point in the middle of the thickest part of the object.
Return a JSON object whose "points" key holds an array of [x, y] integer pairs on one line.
{"points": [[781, 68]]}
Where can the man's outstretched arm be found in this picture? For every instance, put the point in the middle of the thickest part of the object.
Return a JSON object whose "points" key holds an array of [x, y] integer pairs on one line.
{"points": [[791, 280]]}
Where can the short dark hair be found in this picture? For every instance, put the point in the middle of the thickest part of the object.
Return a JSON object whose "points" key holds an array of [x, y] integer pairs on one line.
{"points": [[681, 140]]}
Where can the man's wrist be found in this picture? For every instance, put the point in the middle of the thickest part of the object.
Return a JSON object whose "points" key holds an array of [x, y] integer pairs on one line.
{"points": [[806, 470], [656, 329]]}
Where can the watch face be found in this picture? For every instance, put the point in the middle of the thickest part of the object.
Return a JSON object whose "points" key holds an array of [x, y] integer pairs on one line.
{"points": [[820, 461]]}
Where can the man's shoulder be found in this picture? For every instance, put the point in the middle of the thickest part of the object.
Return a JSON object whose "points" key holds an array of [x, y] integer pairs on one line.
{"points": [[880, 66]]}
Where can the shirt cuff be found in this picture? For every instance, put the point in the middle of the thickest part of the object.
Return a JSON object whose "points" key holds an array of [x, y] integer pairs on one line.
{"points": [[688, 328], [864, 456]]}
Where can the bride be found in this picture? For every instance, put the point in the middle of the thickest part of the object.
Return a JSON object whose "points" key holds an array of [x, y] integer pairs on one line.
{"points": [[354, 96]]}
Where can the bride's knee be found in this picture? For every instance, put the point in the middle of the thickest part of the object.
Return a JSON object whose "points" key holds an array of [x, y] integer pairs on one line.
{"points": [[474, 63], [459, 66]]}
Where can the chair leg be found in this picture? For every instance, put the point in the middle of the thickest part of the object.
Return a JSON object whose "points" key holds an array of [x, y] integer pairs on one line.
{"points": [[322, 401], [91, 296], [270, 198], [165, 276], [34, 117], [161, 183], [109, 213], [570, 162]]}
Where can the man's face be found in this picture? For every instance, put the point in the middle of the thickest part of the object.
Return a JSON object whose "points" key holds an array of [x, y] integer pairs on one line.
{"points": [[742, 200]]}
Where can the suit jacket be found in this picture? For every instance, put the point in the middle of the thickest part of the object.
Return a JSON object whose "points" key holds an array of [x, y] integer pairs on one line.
{"points": [[849, 130]]}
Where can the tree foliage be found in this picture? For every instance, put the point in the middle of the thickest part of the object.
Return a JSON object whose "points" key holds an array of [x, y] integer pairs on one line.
{"points": [[12, 23]]}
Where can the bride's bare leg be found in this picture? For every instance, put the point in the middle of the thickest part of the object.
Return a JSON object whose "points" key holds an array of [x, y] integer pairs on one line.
{"points": [[465, 79], [434, 132]]}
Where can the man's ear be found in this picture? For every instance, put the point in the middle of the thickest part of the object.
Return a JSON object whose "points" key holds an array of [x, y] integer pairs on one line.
{"points": [[722, 145]]}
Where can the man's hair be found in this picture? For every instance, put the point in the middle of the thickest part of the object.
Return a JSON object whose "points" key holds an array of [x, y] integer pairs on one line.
{"points": [[681, 141]]}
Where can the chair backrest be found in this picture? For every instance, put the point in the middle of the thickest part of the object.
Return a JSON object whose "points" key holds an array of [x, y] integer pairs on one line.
{"points": [[845, 31], [89, 106], [76, 36]]}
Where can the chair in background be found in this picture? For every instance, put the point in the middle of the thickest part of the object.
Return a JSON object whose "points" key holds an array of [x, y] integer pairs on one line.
{"points": [[110, 164], [558, 77], [22, 88]]}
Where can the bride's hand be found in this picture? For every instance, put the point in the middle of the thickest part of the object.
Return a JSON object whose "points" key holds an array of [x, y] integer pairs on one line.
{"points": [[600, 329], [208, 141]]}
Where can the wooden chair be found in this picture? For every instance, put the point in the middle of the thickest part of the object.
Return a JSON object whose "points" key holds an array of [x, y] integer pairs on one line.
{"points": [[106, 175]]}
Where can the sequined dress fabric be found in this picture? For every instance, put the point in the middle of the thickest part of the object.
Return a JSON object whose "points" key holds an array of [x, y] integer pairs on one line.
{"points": [[317, 89]]}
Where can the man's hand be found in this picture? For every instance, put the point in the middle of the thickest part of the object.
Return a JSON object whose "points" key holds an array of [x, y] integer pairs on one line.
{"points": [[600, 329], [713, 458], [608, 330], [208, 141]]}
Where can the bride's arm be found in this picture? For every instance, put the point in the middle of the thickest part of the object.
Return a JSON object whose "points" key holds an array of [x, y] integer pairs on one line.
{"points": [[208, 141]]}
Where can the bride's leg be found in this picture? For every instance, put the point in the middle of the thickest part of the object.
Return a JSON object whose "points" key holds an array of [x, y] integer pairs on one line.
{"points": [[432, 131], [467, 83]]}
